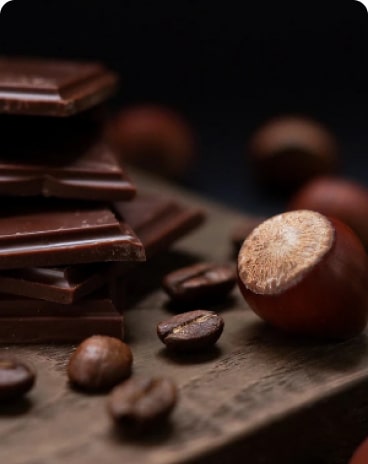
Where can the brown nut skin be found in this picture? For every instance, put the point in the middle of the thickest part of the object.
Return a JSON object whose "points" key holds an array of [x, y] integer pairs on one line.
{"points": [[99, 363], [360, 455], [346, 200], [153, 138], [289, 150], [16, 378], [330, 301]]}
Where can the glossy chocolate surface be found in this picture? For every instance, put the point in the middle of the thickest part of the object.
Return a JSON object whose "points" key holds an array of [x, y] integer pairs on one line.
{"points": [[51, 233], [159, 221], [52, 88], [60, 158]]}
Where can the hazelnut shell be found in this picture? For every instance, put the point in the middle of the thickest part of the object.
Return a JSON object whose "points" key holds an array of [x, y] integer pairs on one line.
{"points": [[329, 301], [287, 151]]}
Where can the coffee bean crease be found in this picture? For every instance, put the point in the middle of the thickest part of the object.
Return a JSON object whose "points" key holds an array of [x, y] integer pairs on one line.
{"points": [[191, 330]]}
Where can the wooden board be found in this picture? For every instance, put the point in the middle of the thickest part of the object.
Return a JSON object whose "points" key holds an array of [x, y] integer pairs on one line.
{"points": [[259, 397]]}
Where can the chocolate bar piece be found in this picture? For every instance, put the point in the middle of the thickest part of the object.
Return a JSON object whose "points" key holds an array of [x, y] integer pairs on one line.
{"points": [[158, 221], [52, 88], [58, 284], [90, 174], [31, 138], [51, 233], [25, 320]]}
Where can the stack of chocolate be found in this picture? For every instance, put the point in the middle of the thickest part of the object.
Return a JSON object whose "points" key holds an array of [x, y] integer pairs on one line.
{"points": [[71, 223]]}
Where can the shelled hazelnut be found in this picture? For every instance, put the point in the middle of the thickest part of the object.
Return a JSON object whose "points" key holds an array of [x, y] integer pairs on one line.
{"points": [[307, 274], [289, 150]]}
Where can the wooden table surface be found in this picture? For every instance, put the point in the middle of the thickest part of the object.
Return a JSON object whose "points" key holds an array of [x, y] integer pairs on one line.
{"points": [[258, 397]]}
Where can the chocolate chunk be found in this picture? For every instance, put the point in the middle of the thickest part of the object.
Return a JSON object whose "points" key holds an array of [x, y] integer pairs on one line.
{"points": [[53, 234], [59, 284], [52, 88], [94, 175], [26, 320], [44, 138], [89, 174], [157, 221]]}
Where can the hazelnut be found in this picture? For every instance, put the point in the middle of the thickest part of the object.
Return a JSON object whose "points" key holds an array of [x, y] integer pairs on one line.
{"points": [[287, 151], [307, 274], [241, 231], [153, 138]]}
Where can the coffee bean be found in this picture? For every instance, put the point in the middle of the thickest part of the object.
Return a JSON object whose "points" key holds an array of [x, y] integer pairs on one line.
{"points": [[16, 378], [204, 281], [194, 330], [99, 363], [142, 402]]}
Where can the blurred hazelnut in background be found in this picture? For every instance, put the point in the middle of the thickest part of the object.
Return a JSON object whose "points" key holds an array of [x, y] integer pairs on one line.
{"points": [[289, 150], [153, 138], [337, 197]]}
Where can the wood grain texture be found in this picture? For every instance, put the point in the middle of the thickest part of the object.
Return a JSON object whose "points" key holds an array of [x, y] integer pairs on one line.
{"points": [[258, 397]]}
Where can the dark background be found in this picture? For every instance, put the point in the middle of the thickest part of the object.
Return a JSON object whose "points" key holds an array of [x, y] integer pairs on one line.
{"points": [[227, 66]]}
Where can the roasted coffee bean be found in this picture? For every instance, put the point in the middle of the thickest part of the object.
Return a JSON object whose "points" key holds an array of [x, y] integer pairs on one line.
{"points": [[142, 402], [99, 363], [194, 330], [16, 378], [204, 281]]}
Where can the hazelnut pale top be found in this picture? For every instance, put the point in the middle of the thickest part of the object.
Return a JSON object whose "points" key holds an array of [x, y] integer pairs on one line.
{"points": [[280, 251]]}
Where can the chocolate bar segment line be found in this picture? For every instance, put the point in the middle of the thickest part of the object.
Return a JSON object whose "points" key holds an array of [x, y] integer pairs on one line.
{"points": [[52, 88], [157, 220], [93, 175], [52, 237]]}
